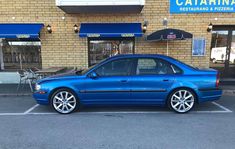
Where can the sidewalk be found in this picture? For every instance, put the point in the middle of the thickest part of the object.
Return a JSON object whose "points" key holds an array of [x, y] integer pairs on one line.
{"points": [[228, 89], [11, 90]]}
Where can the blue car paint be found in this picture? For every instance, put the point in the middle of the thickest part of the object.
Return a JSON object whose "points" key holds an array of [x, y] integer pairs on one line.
{"points": [[133, 89]]}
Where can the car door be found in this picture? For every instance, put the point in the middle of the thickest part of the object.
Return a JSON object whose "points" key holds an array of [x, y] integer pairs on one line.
{"points": [[151, 81], [111, 84]]}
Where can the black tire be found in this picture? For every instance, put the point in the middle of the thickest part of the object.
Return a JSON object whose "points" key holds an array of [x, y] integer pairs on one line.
{"points": [[172, 99], [64, 91]]}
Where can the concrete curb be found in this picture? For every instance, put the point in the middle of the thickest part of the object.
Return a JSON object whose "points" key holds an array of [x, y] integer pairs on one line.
{"points": [[228, 92]]}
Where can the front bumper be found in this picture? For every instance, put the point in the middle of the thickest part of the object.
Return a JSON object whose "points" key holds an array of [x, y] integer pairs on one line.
{"points": [[41, 97]]}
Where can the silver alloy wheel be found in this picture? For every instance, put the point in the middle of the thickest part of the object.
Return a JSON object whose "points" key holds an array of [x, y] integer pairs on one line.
{"points": [[182, 101], [64, 102]]}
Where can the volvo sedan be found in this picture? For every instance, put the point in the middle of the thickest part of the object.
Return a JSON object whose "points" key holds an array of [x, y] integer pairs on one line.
{"points": [[131, 80]]}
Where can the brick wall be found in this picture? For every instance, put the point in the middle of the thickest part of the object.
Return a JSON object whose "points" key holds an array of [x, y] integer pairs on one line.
{"points": [[64, 48]]}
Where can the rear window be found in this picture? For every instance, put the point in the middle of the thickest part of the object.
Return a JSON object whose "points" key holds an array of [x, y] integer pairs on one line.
{"points": [[182, 63], [176, 70]]}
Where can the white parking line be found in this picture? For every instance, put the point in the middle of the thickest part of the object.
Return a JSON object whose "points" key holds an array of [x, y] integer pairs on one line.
{"points": [[102, 113], [31, 109], [212, 112], [222, 107]]}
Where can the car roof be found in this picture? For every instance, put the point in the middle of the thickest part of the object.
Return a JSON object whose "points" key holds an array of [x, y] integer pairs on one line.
{"points": [[143, 55], [136, 55]]}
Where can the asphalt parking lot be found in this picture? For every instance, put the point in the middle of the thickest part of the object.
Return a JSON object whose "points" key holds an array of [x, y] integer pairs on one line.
{"points": [[25, 124], [25, 105]]}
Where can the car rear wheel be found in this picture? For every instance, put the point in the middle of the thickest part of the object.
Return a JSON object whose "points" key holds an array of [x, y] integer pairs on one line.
{"points": [[64, 101], [182, 101]]}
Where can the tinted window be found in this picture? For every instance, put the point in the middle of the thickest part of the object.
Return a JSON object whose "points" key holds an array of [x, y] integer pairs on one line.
{"points": [[146, 66], [120, 67], [150, 66], [164, 67], [176, 70]]}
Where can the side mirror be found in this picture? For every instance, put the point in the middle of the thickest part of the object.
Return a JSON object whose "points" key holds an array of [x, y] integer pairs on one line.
{"points": [[93, 75]]}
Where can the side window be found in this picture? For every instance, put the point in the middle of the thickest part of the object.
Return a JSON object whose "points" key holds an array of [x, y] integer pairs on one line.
{"points": [[150, 66], [120, 67], [164, 67], [146, 66], [176, 70]]}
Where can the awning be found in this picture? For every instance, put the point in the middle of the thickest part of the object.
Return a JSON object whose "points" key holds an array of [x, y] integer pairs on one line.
{"points": [[22, 31], [111, 30], [102, 9], [101, 6], [169, 34]]}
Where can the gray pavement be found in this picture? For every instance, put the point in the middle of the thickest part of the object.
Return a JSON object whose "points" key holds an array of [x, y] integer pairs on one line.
{"points": [[24, 125], [11, 89]]}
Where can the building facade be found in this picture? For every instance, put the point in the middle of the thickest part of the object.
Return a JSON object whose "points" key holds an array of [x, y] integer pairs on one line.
{"points": [[63, 47]]}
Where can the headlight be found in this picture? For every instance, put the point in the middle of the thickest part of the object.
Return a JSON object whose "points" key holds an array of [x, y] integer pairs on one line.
{"points": [[37, 87]]}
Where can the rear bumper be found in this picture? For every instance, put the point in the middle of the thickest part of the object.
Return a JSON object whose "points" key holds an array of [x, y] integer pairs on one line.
{"points": [[209, 94]]}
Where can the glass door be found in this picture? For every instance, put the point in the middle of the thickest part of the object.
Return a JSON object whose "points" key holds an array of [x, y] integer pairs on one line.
{"points": [[222, 55], [219, 47], [232, 57]]}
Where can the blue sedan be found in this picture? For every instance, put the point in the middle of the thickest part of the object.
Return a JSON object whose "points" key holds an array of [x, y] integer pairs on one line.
{"points": [[131, 80]]}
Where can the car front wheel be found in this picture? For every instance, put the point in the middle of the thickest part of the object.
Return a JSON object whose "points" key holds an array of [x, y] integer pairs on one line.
{"points": [[181, 101], [64, 101]]}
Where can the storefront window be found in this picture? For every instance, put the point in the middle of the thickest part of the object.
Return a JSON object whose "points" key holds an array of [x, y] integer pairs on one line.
{"points": [[15, 55], [104, 48], [223, 50], [219, 46]]}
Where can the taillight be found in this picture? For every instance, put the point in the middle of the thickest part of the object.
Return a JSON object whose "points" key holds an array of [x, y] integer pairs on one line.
{"points": [[217, 80]]}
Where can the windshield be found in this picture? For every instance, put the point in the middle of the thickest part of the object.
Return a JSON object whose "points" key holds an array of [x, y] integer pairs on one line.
{"points": [[84, 71]]}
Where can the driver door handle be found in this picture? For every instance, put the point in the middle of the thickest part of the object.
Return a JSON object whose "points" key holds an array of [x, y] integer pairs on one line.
{"points": [[124, 81]]}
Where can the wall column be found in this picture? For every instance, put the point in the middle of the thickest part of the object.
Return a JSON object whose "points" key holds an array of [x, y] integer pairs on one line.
{"points": [[1, 56]]}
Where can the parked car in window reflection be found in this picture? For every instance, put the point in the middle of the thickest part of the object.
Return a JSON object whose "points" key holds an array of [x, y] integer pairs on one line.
{"points": [[131, 80], [219, 55]]}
